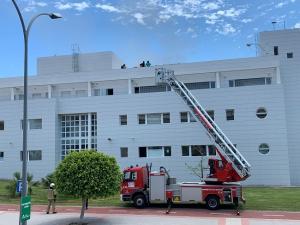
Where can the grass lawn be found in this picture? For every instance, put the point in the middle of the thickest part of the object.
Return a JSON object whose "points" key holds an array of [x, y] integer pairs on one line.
{"points": [[257, 198]]}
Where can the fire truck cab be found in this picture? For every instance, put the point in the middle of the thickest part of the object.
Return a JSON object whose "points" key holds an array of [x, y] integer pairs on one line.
{"points": [[143, 187]]}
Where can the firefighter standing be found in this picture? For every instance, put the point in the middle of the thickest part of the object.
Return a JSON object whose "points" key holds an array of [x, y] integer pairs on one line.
{"points": [[51, 198]]}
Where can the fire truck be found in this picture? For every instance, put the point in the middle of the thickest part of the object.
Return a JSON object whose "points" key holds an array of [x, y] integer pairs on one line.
{"points": [[142, 186]]}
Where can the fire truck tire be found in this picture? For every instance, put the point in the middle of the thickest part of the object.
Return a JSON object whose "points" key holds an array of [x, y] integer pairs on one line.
{"points": [[139, 201], [212, 202]]}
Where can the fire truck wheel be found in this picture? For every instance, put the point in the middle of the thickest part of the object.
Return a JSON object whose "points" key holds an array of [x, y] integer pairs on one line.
{"points": [[212, 202], [139, 201]]}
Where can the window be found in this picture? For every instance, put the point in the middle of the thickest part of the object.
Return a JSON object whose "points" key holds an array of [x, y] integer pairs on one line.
{"points": [[97, 92], [186, 117], [123, 119], [276, 50], [2, 125], [167, 151], [32, 155], [290, 55], [151, 89], [142, 151], [211, 114], [264, 149], [166, 117], [212, 150], [250, 82], [19, 97], [142, 118], [230, 114], [200, 85], [36, 95], [81, 93], [198, 150], [185, 150], [35, 124], [261, 113], [75, 132], [124, 152], [1, 156], [65, 94], [109, 91], [154, 118], [155, 151]]}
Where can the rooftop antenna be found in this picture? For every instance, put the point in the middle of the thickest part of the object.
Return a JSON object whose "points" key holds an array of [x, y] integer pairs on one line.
{"points": [[75, 57]]}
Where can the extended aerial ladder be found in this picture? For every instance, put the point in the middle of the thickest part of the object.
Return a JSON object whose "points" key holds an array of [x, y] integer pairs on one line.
{"points": [[234, 166]]}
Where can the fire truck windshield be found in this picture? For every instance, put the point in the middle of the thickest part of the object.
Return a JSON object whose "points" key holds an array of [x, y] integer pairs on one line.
{"points": [[129, 176]]}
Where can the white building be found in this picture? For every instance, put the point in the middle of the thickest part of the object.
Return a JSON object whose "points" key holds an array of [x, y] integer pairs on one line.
{"points": [[86, 101]]}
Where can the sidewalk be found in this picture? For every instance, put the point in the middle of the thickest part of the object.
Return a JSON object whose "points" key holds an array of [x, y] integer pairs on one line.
{"points": [[184, 212]]}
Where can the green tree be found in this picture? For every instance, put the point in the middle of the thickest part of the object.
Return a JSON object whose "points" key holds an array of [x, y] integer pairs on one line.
{"points": [[48, 180], [88, 174]]}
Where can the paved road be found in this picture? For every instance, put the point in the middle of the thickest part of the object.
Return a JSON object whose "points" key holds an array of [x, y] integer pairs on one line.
{"points": [[154, 215], [38, 218]]}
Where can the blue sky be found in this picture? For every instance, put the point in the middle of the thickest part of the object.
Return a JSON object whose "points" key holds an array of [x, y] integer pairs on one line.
{"points": [[162, 31]]}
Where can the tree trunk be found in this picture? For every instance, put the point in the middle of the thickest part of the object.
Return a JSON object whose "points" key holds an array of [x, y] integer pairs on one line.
{"points": [[82, 208]]}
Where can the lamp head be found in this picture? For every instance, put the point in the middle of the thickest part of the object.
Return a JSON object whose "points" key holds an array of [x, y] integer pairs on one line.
{"points": [[55, 16]]}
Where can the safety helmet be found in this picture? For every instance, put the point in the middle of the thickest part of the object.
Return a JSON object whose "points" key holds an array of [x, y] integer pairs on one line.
{"points": [[52, 185]]}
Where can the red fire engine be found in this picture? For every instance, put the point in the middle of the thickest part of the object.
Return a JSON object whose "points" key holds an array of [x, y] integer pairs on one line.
{"points": [[142, 186]]}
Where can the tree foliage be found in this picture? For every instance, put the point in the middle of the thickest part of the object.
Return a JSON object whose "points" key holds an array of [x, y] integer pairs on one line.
{"points": [[46, 181], [88, 174], [11, 187]]}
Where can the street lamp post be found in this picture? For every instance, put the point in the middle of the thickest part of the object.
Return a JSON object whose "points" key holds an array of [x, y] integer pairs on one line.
{"points": [[26, 35]]}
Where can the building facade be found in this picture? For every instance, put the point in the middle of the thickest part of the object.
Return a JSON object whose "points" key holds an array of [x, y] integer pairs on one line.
{"points": [[86, 101]]}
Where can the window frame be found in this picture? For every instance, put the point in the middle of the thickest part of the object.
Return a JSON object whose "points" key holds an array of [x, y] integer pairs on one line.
{"points": [[2, 157], [2, 125], [228, 118], [121, 120], [30, 154], [124, 152], [31, 127]]}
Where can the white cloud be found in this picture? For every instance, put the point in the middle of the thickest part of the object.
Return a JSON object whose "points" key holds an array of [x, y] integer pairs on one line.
{"points": [[226, 29], [139, 18], [79, 6], [246, 20], [32, 5], [108, 8], [212, 5], [297, 25]]}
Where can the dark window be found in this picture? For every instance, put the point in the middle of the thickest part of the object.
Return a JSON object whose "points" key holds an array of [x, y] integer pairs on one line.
{"points": [[198, 150], [32, 155], [198, 85], [212, 150], [290, 55], [142, 118], [211, 114], [275, 50], [183, 117], [230, 114], [109, 91], [124, 152], [167, 151], [1, 125], [35, 124], [268, 80], [231, 83], [123, 119], [142, 151], [154, 88], [185, 149], [136, 90], [212, 84], [166, 117], [1, 156]]}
